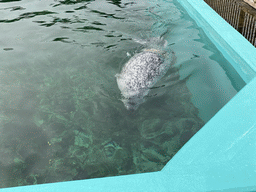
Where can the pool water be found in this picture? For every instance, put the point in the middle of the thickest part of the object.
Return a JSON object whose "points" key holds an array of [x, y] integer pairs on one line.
{"points": [[62, 117]]}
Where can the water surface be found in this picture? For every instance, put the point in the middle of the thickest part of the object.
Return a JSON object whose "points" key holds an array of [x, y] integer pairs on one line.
{"points": [[61, 114]]}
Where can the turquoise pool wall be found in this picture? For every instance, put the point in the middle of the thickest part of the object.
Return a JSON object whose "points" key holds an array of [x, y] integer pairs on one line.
{"points": [[234, 47], [222, 155]]}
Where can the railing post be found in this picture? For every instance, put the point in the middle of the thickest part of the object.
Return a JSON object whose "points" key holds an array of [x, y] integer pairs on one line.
{"points": [[238, 14]]}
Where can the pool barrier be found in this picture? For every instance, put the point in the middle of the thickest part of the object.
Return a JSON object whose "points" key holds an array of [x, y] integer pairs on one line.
{"points": [[238, 14], [221, 156]]}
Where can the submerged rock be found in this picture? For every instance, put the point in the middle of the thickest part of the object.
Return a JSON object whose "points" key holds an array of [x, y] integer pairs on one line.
{"points": [[151, 128]]}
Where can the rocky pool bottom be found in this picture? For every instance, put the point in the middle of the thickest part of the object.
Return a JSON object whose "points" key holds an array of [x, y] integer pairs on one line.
{"points": [[69, 129]]}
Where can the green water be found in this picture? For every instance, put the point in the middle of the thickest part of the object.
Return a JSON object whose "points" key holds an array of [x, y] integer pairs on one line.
{"points": [[61, 117]]}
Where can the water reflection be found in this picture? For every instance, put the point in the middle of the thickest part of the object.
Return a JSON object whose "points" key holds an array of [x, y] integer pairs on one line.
{"points": [[70, 2], [88, 28], [116, 2], [27, 16], [7, 1]]}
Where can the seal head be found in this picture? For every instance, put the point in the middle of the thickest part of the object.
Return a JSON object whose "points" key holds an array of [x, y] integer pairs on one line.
{"points": [[139, 74]]}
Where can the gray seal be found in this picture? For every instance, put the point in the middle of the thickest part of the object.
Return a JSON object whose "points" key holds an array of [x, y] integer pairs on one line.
{"points": [[141, 73]]}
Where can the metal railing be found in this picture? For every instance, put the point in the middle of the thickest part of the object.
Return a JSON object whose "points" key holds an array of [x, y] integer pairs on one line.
{"points": [[239, 15]]}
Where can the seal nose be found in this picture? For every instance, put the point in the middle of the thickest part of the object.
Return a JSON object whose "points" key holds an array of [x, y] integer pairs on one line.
{"points": [[131, 106]]}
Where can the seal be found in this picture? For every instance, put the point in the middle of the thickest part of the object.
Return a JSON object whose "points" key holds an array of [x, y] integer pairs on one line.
{"points": [[140, 74]]}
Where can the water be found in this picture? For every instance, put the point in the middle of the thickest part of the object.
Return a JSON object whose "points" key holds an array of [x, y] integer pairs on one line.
{"points": [[62, 117]]}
